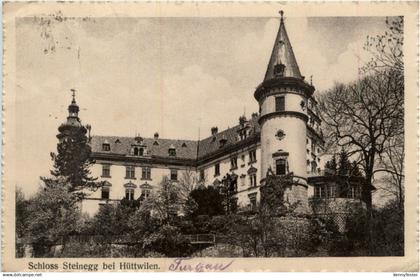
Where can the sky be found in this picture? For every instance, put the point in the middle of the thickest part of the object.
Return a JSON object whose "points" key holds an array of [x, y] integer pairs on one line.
{"points": [[175, 76]]}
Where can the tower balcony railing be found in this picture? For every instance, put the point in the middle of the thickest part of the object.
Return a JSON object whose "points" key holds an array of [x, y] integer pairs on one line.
{"points": [[317, 173]]}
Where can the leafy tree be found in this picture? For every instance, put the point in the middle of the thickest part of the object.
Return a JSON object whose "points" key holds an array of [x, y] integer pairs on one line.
{"points": [[142, 226], [206, 201], [113, 219], [54, 216], [166, 202], [168, 240], [272, 196], [22, 213], [22, 218]]}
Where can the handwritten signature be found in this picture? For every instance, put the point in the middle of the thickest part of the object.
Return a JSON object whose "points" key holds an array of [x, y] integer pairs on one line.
{"points": [[181, 264]]}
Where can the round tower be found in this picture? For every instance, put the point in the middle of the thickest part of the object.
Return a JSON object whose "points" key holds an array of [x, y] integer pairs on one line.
{"points": [[282, 98]]}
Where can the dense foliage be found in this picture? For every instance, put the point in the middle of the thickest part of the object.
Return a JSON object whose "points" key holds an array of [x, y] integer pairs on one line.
{"points": [[74, 168]]}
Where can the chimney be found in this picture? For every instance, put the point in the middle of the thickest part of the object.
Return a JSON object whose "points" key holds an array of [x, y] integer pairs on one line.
{"points": [[156, 135], [214, 130]]}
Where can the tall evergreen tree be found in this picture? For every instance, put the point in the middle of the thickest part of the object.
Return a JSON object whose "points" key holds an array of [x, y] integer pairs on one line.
{"points": [[344, 165], [332, 165], [73, 158]]}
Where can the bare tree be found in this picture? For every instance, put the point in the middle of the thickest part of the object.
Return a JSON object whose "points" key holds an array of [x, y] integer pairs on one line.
{"points": [[392, 165], [387, 49], [187, 182], [363, 117]]}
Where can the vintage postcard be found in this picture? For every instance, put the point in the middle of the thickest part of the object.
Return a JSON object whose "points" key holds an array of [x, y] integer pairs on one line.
{"points": [[200, 136]]}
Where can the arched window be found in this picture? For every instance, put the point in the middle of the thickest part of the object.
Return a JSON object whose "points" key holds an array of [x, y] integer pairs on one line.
{"points": [[129, 193], [136, 151]]}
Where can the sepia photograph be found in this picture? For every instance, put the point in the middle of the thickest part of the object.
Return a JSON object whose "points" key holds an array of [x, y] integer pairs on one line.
{"points": [[267, 136]]}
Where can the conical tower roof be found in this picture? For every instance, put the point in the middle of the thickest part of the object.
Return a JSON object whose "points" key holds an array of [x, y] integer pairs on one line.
{"points": [[282, 54]]}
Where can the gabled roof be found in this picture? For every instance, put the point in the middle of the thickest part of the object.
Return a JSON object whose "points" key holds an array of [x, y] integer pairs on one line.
{"points": [[185, 149], [282, 54]]}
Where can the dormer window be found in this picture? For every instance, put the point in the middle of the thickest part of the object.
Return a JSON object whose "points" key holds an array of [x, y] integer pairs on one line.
{"points": [[138, 151], [106, 146], [184, 144], [223, 141], [172, 151], [243, 134]]}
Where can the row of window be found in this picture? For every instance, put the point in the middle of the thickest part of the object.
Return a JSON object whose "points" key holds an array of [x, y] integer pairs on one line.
{"points": [[233, 164], [129, 193], [252, 159], [330, 191], [130, 172], [140, 151]]}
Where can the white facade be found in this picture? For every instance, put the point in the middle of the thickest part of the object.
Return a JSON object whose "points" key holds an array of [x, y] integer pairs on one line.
{"points": [[286, 136]]}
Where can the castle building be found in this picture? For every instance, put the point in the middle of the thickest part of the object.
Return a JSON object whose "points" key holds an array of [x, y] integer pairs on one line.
{"points": [[283, 137]]}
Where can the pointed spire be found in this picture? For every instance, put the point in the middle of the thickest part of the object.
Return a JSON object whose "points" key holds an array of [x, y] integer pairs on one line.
{"points": [[282, 61]]}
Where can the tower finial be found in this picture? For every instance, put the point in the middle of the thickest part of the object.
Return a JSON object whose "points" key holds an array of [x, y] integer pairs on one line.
{"points": [[73, 94], [281, 15]]}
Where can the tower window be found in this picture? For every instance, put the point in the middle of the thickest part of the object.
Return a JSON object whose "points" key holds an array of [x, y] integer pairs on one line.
{"points": [[174, 175], [129, 172], [105, 193], [106, 170], [281, 167], [129, 193], [280, 104], [217, 169], [106, 147], [146, 173], [202, 175]]}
